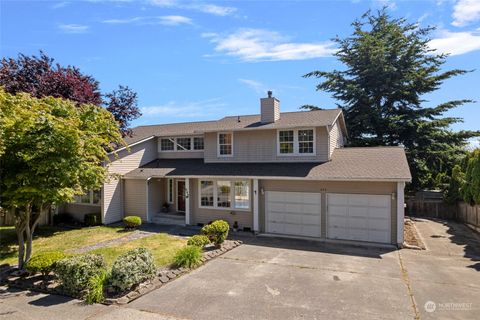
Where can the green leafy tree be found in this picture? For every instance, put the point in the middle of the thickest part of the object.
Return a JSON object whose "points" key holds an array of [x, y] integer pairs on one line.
{"points": [[452, 193], [53, 150], [471, 186], [389, 67]]}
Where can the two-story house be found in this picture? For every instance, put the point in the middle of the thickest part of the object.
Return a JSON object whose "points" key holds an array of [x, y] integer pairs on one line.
{"points": [[273, 173]]}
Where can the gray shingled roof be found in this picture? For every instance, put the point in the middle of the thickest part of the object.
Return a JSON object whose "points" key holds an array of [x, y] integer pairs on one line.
{"points": [[247, 122], [361, 164]]}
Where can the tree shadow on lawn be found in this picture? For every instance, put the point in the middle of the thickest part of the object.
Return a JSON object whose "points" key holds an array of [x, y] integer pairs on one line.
{"points": [[8, 239]]}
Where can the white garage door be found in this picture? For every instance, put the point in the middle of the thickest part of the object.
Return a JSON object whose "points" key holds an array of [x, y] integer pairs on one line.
{"points": [[293, 213], [359, 217]]}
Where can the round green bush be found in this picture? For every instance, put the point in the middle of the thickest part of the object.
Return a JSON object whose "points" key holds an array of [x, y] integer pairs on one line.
{"points": [[132, 222], [217, 231], [198, 240], [188, 257], [132, 268], [75, 273], [44, 262]]}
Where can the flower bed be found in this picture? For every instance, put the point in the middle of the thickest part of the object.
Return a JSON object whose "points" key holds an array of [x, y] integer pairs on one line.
{"points": [[51, 285]]}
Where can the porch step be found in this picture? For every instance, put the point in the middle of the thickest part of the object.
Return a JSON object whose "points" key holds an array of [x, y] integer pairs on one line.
{"points": [[171, 219]]}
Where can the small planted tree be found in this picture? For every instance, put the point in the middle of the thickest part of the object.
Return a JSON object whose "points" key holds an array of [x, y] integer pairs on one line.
{"points": [[53, 150]]}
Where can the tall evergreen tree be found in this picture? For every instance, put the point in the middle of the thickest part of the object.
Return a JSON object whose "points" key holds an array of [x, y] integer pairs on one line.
{"points": [[389, 67]]}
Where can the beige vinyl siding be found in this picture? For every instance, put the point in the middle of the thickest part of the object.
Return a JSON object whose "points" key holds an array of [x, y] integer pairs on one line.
{"points": [[156, 196], [112, 195], [354, 187], [336, 137], [205, 215], [261, 146], [135, 197], [180, 154]]}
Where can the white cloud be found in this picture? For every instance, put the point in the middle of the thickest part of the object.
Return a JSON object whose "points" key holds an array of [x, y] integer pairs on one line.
{"points": [[73, 28], [186, 109], [163, 20], [59, 5], [465, 12], [263, 45], [201, 7], [256, 86], [456, 43]]}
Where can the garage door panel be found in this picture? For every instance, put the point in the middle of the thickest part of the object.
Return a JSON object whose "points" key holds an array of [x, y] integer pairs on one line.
{"points": [[311, 219], [293, 208], [293, 213], [311, 209], [359, 217], [379, 224]]}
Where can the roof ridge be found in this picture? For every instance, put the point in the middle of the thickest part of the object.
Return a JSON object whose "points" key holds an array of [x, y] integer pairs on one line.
{"points": [[173, 123], [258, 114]]}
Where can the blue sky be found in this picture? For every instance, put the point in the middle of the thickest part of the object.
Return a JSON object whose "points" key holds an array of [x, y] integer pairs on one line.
{"points": [[192, 60]]}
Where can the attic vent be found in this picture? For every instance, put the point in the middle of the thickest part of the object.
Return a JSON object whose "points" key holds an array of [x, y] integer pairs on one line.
{"points": [[238, 119]]}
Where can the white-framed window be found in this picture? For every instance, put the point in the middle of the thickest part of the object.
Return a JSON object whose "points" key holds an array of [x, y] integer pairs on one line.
{"points": [[224, 194], [181, 144], [184, 144], [242, 194], [286, 141], [170, 190], [91, 197], [167, 144], [296, 142], [207, 194], [225, 144], [198, 143]]}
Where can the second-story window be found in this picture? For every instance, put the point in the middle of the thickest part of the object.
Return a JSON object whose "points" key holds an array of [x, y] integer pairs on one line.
{"points": [[183, 144], [167, 144], [198, 143], [300, 142], [305, 141], [225, 144], [286, 140]]}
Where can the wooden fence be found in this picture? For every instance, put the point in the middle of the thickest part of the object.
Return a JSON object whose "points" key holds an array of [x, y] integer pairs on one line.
{"points": [[6, 219], [469, 214], [434, 208]]}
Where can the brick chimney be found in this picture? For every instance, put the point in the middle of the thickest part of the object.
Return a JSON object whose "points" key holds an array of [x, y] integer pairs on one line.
{"points": [[269, 109]]}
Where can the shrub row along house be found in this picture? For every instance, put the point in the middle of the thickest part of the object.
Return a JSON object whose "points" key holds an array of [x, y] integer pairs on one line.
{"points": [[276, 173]]}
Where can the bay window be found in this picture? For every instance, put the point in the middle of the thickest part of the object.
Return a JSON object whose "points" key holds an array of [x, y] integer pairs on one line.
{"points": [[224, 194], [183, 144], [167, 144]]}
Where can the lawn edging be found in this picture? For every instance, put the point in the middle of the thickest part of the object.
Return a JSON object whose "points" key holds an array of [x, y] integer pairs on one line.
{"points": [[164, 275]]}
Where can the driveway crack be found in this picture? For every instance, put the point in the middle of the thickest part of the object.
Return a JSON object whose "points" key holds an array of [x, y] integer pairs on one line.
{"points": [[406, 280]]}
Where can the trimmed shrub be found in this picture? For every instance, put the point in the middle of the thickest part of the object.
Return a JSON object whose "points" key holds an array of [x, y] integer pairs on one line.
{"points": [[95, 288], [198, 240], [76, 273], [132, 268], [44, 262], [132, 222], [188, 257], [92, 219], [217, 231]]}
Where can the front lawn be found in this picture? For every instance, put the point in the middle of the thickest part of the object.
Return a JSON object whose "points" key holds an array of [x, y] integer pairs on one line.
{"points": [[48, 238], [162, 246]]}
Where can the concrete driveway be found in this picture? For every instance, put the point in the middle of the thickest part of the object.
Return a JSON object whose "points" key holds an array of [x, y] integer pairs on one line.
{"points": [[270, 278], [289, 279]]}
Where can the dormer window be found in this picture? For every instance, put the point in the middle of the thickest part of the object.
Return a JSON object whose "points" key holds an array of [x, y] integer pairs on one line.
{"points": [[225, 144], [296, 142]]}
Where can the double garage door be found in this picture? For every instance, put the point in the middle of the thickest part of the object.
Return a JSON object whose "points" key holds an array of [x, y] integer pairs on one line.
{"points": [[360, 217]]}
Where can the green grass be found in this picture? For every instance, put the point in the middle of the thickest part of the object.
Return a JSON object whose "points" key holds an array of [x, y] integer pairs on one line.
{"points": [[48, 238], [162, 246]]}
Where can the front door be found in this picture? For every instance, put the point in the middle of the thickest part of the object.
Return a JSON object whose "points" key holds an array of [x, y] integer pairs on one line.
{"points": [[181, 195]]}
